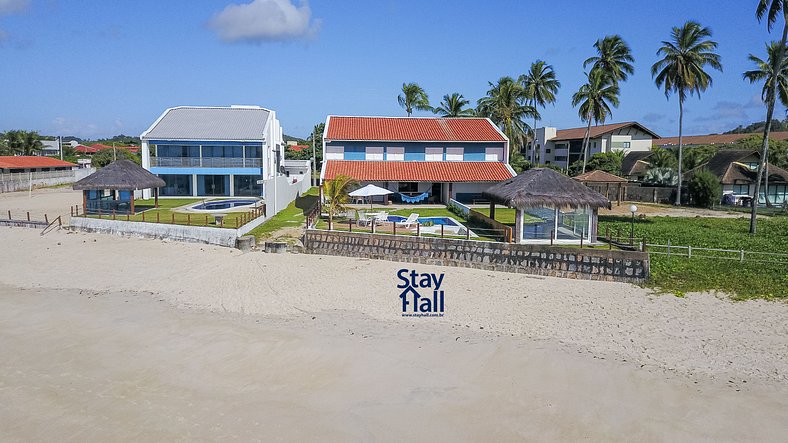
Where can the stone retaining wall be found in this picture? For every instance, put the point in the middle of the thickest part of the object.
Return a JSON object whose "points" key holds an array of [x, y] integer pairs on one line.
{"points": [[592, 264]]}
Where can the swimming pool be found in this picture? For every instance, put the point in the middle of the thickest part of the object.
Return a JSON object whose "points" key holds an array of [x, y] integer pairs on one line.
{"points": [[446, 221], [219, 205]]}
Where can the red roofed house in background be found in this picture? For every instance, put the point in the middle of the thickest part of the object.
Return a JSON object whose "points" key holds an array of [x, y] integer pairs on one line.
{"points": [[419, 159], [32, 163], [562, 147]]}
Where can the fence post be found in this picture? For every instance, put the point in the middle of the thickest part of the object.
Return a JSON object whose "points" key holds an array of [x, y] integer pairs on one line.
{"points": [[71, 210], [157, 217], [173, 218], [581, 240], [741, 255], [350, 225], [668, 248], [394, 228], [689, 251], [46, 219], [127, 216], [441, 231], [9, 214], [418, 229], [373, 225], [552, 236], [28, 215], [206, 219], [188, 219], [643, 249], [467, 233], [143, 216]]}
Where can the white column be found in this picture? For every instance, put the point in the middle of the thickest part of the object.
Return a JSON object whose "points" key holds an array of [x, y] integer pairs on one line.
{"points": [[145, 164], [232, 185], [194, 185], [518, 225]]}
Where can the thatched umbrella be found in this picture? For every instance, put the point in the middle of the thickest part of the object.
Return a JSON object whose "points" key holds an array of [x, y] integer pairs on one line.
{"points": [[543, 187], [123, 175]]}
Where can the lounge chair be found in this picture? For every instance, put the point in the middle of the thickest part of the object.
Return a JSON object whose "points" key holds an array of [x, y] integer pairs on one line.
{"points": [[411, 220], [362, 219], [382, 217]]}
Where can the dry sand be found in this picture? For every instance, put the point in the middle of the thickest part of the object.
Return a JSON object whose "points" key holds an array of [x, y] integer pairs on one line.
{"points": [[300, 347]]}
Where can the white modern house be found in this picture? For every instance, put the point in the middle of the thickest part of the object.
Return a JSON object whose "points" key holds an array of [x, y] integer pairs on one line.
{"points": [[210, 151], [562, 147]]}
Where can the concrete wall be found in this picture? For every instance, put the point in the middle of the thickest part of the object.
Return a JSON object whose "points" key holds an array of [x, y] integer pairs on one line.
{"points": [[281, 191], [197, 234], [650, 194], [592, 264], [21, 181]]}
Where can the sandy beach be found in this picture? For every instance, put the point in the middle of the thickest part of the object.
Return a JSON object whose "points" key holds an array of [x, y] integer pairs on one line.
{"points": [[125, 338]]}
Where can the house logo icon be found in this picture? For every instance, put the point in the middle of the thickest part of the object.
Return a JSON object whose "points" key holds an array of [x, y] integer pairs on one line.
{"points": [[421, 294]]}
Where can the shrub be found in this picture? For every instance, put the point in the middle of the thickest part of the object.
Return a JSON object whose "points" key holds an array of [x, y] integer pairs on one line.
{"points": [[705, 189]]}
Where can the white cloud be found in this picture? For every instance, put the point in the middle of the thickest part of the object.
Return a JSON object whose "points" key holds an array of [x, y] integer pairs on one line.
{"points": [[265, 20], [13, 6]]}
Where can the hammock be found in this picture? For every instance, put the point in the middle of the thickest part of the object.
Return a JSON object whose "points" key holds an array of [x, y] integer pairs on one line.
{"points": [[417, 199]]}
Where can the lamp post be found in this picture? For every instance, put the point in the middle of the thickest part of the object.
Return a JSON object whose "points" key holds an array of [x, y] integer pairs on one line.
{"points": [[633, 209]]}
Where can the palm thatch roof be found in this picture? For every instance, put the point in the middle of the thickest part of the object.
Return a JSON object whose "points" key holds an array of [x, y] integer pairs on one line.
{"points": [[121, 175], [544, 187]]}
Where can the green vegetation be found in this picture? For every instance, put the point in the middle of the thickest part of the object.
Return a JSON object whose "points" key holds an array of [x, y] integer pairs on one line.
{"points": [[454, 105], [293, 216], [147, 213], [705, 189], [107, 156], [680, 274], [506, 215], [413, 97], [17, 142]]}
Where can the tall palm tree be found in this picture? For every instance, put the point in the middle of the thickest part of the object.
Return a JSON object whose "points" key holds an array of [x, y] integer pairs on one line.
{"points": [[681, 71], [771, 9], [31, 143], [506, 105], [595, 98], [413, 97], [454, 105], [541, 86], [613, 57], [768, 72]]}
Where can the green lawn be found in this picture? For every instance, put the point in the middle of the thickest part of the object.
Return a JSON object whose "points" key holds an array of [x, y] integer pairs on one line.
{"points": [[506, 215], [681, 274], [294, 215], [166, 203], [167, 215]]}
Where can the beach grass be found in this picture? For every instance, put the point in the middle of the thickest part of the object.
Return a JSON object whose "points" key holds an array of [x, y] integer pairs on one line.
{"points": [[293, 216], [748, 279]]}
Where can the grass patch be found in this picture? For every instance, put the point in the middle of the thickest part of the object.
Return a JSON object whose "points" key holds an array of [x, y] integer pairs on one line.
{"points": [[167, 203], [681, 274], [293, 216], [507, 215]]}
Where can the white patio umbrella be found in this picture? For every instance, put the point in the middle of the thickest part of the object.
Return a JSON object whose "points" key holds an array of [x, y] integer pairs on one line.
{"points": [[370, 191]]}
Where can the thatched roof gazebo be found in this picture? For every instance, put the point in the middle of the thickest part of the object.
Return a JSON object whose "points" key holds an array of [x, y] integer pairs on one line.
{"points": [[601, 182], [121, 178], [557, 206]]}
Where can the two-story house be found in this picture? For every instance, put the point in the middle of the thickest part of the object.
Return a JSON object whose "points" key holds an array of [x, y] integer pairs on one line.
{"points": [[562, 147], [214, 151], [426, 159]]}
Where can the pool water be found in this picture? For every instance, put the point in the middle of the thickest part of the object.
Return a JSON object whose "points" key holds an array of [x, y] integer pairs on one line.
{"points": [[435, 220], [224, 204]]}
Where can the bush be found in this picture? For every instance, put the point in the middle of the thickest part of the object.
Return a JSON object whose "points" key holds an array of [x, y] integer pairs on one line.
{"points": [[705, 189], [106, 156]]}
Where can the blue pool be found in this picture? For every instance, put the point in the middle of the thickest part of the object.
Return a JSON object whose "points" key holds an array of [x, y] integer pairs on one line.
{"points": [[435, 220], [224, 204]]}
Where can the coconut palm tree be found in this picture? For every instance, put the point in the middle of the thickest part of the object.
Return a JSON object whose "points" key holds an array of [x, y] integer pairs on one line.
{"points": [[768, 72], [335, 195], [613, 57], [540, 86], [506, 105], [454, 105], [595, 98], [681, 71], [413, 97], [22, 142]]}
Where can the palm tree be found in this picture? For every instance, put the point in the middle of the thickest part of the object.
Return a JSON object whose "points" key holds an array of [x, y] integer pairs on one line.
{"points": [[335, 194], [31, 143], [595, 98], [613, 57], [771, 9], [413, 97], [505, 104], [768, 72], [540, 86], [681, 70], [18, 142], [454, 105]]}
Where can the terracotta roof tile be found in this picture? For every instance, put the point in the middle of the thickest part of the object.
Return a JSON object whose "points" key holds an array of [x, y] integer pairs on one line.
{"points": [[718, 139], [412, 129], [31, 161], [418, 171], [596, 131]]}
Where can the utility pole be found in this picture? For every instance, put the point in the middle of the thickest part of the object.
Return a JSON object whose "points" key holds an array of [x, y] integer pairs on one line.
{"points": [[60, 145], [313, 167]]}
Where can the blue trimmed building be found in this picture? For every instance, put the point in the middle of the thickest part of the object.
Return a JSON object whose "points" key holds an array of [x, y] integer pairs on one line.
{"points": [[214, 151]]}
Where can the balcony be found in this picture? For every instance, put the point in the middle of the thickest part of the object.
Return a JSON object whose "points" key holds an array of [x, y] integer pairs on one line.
{"points": [[206, 162]]}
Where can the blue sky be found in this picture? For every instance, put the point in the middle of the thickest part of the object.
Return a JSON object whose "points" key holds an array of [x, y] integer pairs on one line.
{"points": [[95, 68]]}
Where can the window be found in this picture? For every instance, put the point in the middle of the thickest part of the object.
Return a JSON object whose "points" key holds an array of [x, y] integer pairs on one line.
{"points": [[254, 151], [176, 185], [493, 154], [374, 153], [395, 153], [547, 151], [620, 145], [335, 153], [433, 154], [454, 154], [246, 185], [741, 189], [408, 187]]}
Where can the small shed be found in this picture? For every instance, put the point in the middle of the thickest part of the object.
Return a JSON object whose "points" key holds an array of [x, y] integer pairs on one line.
{"points": [[111, 188], [603, 182], [549, 207]]}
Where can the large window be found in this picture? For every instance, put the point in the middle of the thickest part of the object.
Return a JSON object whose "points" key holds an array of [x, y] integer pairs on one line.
{"points": [[254, 151], [176, 185], [454, 154], [374, 153], [181, 151], [246, 185], [494, 154], [335, 153], [741, 189], [222, 151], [433, 154], [395, 153], [213, 185]]}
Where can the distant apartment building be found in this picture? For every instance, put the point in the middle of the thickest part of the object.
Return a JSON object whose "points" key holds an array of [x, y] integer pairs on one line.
{"points": [[562, 147]]}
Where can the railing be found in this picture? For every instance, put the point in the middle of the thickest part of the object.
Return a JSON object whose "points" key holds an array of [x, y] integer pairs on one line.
{"points": [[58, 222], [206, 162], [229, 220]]}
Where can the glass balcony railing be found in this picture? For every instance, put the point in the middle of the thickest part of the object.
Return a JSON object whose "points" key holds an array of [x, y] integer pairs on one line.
{"points": [[206, 162]]}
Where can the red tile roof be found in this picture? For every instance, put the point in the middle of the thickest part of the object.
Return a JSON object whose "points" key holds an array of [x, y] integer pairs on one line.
{"points": [[418, 171], [412, 129], [298, 147], [597, 131], [31, 161], [718, 139]]}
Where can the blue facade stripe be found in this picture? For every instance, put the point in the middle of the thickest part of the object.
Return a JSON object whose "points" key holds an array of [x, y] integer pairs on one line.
{"points": [[206, 171]]}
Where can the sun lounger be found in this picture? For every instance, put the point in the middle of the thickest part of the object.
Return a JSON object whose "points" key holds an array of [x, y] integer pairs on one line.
{"points": [[411, 220], [382, 217], [362, 219]]}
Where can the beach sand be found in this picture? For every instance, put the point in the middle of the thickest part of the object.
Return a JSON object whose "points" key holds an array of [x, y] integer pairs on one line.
{"points": [[120, 338]]}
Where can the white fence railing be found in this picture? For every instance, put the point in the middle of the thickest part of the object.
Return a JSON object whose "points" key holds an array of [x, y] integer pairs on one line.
{"points": [[739, 255]]}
